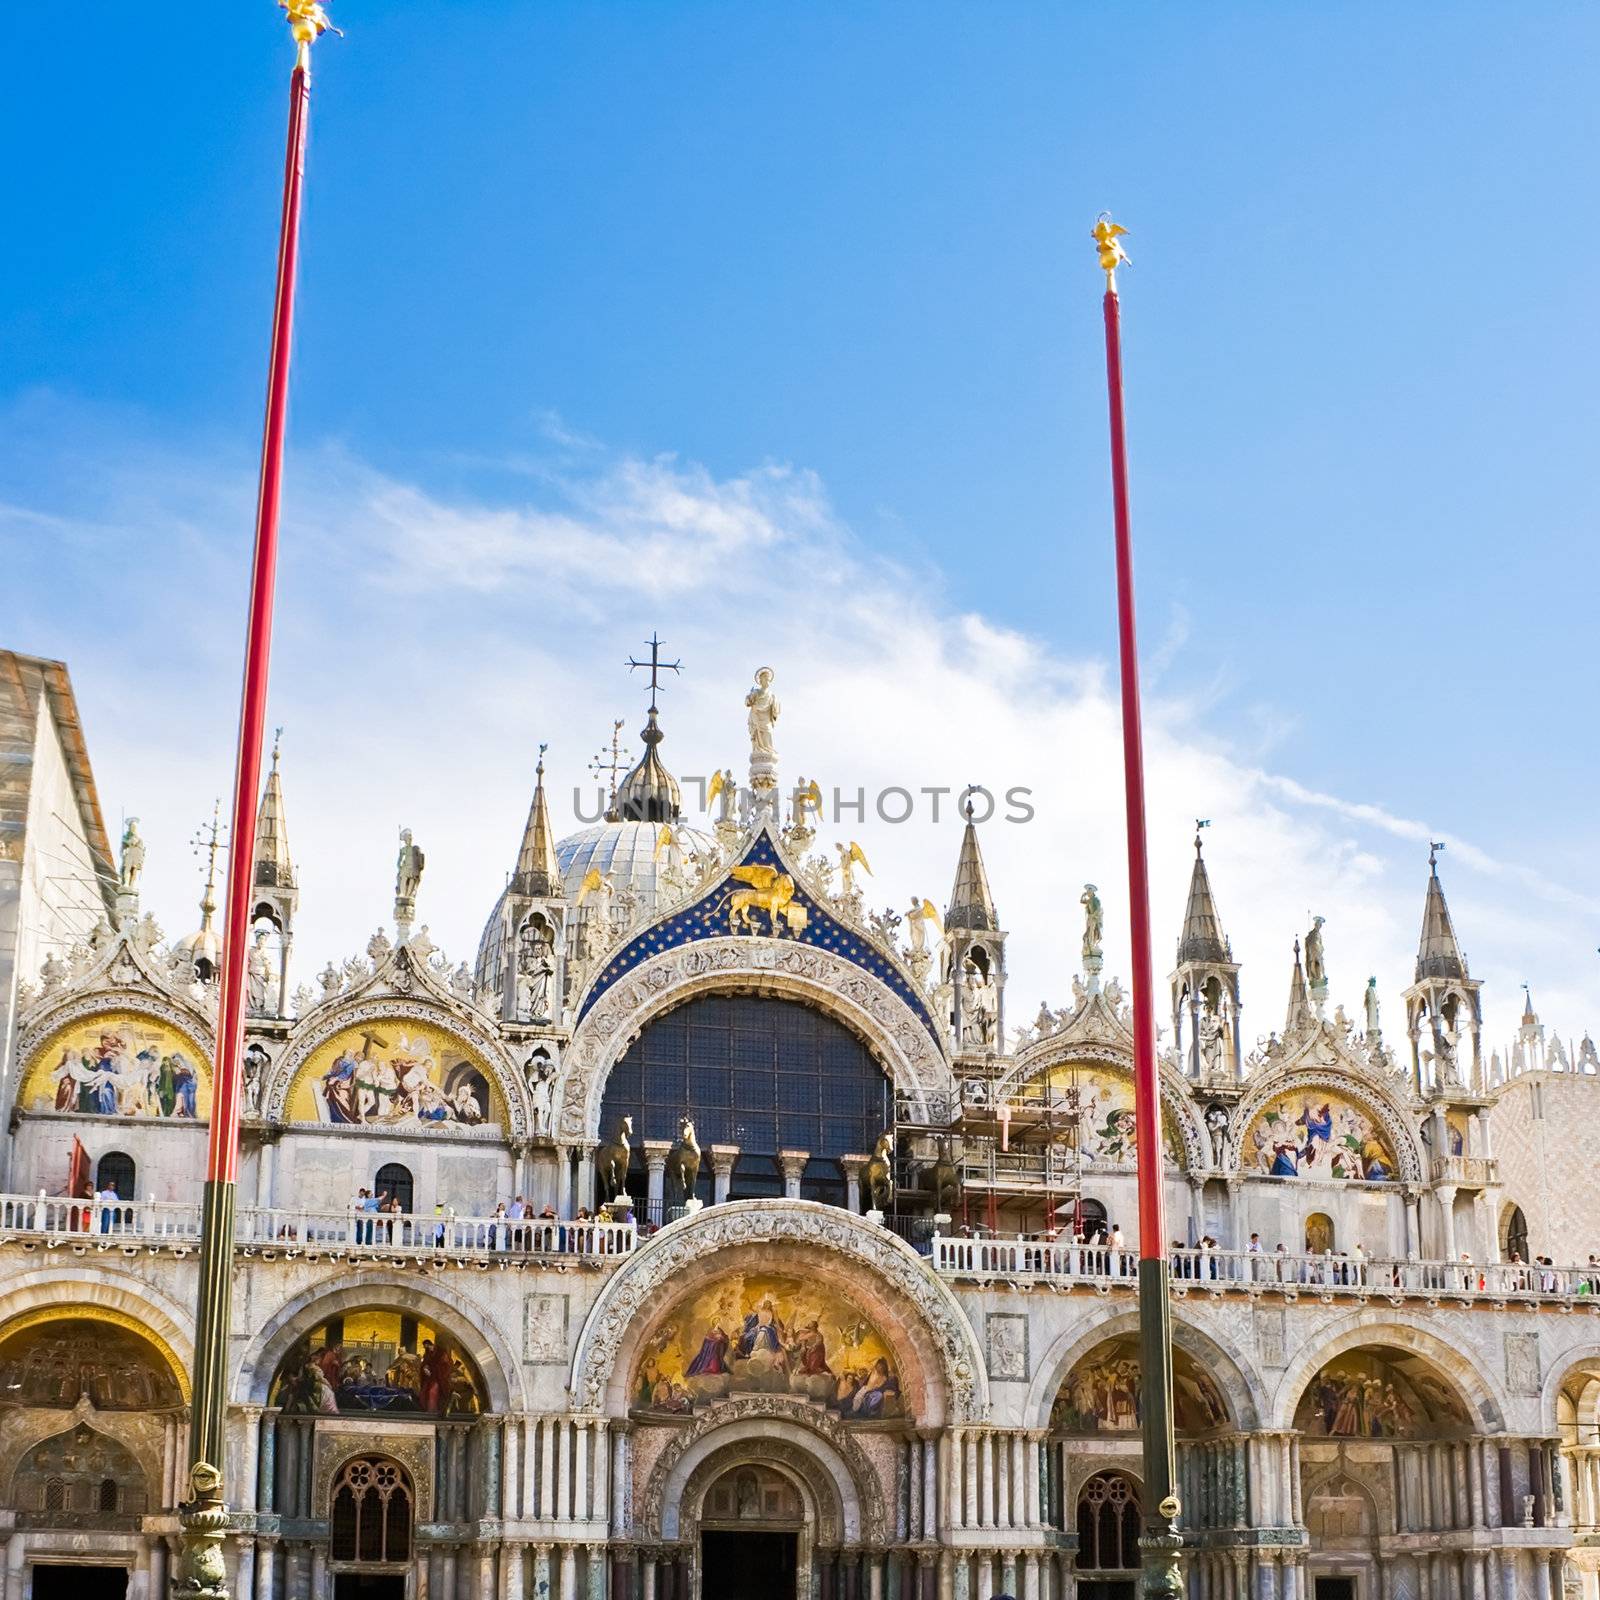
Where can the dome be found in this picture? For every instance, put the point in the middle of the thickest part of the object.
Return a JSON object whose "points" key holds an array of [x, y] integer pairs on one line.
{"points": [[626, 851]]}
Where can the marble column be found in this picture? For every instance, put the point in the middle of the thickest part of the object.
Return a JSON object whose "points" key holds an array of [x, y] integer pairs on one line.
{"points": [[1001, 1512], [930, 1485], [580, 1469], [724, 1158], [594, 1569], [510, 1468], [656, 1152], [621, 1459], [569, 1572], [584, 1195], [792, 1163], [541, 1572], [986, 1490], [1445, 1194], [854, 1167]]}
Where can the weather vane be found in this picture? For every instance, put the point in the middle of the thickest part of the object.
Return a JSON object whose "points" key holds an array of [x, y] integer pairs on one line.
{"points": [[656, 665], [307, 20], [1108, 236]]}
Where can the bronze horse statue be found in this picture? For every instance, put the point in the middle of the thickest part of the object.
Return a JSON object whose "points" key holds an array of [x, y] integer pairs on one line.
{"points": [[880, 1173], [683, 1161], [611, 1162]]}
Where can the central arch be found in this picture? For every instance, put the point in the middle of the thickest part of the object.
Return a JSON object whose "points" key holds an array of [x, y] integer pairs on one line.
{"points": [[815, 977], [945, 1369]]}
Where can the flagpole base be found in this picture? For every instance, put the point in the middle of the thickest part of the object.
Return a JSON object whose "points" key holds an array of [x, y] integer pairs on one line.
{"points": [[202, 1571], [1162, 1578]]}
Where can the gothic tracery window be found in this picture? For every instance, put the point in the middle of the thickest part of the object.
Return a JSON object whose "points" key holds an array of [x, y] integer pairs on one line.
{"points": [[372, 1513], [1108, 1524]]}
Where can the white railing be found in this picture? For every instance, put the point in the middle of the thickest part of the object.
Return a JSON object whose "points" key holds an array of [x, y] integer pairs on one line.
{"points": [[299, 1229], [408, 1233], [135, 1219], [1100, 1266]]}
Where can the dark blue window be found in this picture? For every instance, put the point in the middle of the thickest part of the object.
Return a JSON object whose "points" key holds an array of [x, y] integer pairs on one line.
{"points": [[764, 1073]]}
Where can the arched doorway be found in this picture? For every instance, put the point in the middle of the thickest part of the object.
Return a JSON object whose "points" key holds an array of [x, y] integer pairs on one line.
{"points": [[1377, 1424], [1108, 1517], [751, 1524], [371, 1515], [396, 1182], [1515, 1243]]}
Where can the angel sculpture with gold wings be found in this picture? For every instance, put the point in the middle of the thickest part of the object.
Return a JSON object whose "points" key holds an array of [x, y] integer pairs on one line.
{"points": [[849, 856], [724, 788], [807, 797], [771, 891], [922, 912]]}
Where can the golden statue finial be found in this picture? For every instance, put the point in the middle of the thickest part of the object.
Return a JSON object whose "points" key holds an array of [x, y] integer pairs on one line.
{"points": [[1107, 238], [307, 19]]}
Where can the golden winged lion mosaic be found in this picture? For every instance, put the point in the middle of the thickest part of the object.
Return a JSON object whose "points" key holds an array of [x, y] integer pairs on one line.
{"points": [[771, 891]]}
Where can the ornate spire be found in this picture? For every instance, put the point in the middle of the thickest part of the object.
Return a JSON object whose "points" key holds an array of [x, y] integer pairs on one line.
{"points": [[1202, 938], [1438, 953], [537, 873], [1298, 1017], [273, 867], [971, 904]]}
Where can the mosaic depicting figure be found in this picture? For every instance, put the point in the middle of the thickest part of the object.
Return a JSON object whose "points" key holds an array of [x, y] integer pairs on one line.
{"points": [[1094, 1108], [55, 1363], [392, 1074], [377, 1361], [767, 1334], [1317, 1134], [1366, 1395], [1102, 1393], [119, 1065]]}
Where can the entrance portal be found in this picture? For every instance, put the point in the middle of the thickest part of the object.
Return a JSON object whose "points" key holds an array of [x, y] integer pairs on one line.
{"points": [[746, 1566], [369, 1586], [65, 1582]]}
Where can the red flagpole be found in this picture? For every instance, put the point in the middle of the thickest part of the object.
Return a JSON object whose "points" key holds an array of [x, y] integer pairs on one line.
{"points": [[205, 1517], [1160, 1543], [223, 1155]]}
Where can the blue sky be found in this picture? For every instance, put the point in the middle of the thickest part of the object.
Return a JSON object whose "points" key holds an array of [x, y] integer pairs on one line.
{"points": [[548, 245]]}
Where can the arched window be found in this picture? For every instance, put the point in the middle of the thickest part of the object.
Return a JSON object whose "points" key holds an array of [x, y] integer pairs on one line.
{"points": [[395, 1181], [108, 1494], [1517, 1235], [1092, 1220], [54, 1497], [1108, 1524], [116, 1170], [371, 1513], [760, 1072]]}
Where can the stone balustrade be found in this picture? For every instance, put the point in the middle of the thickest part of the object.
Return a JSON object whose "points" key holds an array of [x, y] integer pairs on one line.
{"points": [[303, 1230], [1022, 1260]]}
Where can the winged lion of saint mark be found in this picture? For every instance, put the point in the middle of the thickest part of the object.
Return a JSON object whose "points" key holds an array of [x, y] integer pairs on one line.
{"points": [[771, 891]]}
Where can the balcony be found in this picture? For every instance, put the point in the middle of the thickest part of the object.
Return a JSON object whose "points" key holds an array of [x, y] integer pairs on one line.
{"points": [[1466, 1172], [1218, 1272], [301, 1232]]}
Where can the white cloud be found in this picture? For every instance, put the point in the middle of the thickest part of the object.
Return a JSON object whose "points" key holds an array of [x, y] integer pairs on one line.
{"points": [[427, 642]]}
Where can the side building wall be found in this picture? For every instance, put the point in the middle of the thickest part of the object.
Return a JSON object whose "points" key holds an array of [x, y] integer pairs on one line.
{"points": [[1546, 1130]]}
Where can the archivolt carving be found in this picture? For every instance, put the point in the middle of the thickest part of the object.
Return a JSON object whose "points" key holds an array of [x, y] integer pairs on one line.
{"points": [[89, 1003], [1358, 1088], [324, 1024], [783, 1408], [767, 966], [796, 1463], [685, 1245]]}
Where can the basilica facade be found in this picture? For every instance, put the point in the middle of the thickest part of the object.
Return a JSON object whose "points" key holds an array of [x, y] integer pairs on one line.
{"points": [[711, 1233]]}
